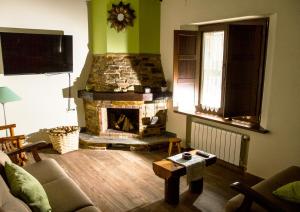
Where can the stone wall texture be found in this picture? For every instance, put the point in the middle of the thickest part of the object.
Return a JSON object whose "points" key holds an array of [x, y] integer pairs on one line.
{"points": [[96, 114], [122, 72]]}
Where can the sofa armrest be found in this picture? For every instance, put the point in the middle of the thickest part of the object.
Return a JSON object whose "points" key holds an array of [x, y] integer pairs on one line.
{"points": [[32, 147], [252, 195]]}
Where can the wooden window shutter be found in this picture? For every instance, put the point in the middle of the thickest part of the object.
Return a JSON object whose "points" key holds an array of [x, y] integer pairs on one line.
{"points": [[186, 63], [245, 69]]}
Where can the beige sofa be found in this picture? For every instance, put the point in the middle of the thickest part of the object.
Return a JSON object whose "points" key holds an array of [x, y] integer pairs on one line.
{"points": [[63, 194]]}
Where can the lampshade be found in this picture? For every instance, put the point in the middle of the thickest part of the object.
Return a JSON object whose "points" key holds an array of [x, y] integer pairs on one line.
{"points": [[7, 95]]}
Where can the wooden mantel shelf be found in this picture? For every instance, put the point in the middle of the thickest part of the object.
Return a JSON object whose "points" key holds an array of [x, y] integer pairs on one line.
{"points": [[127, 96]]}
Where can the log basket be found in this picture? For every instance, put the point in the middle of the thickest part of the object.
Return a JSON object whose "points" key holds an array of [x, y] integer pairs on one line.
{"points": [[64, 139]]}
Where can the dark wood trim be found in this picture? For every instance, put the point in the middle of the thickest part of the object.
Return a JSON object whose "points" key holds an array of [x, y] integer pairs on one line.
{"points": [[221, 120], [224, 71], [213, 27], [263, 59], [128, 96], [221, 26], [185, 80], [254, 21], [12, 138], [179, 74], [197, 82], [33, 147], [29, 147], [3, 127]]}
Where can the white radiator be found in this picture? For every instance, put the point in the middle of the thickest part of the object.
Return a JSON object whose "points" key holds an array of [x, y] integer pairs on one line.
{"points": [[228, 146]]}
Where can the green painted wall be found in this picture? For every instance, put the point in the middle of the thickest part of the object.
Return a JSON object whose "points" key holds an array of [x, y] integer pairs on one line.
{"points": [[143, 37], [97, 26], [150, 26], [127, 40]]}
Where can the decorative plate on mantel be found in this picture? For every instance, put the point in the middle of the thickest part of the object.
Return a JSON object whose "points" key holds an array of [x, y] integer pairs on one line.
{"points": [[120, 16]]}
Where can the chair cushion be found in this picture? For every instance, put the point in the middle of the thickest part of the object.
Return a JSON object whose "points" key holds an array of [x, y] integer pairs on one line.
{"points": [[46, 171], [27, 188], [289, 192], [65, 195], [8, 202]]}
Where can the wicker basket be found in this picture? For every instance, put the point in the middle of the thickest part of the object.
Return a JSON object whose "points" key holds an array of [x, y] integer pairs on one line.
{"points": [[64, 139]]}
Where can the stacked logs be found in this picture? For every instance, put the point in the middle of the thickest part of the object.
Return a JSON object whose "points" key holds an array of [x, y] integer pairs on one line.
{"points": [[63, 130], [123, 123]]}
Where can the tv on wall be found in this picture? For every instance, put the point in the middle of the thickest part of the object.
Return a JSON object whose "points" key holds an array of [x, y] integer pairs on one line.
{"points": [[24, 53]]}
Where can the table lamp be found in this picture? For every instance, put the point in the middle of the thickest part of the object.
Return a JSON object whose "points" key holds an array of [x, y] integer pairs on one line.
{"points": [[7, 95]]}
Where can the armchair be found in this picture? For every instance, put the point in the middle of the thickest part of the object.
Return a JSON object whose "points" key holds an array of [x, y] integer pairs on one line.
{"points": [[260, 198], [13, 142]]}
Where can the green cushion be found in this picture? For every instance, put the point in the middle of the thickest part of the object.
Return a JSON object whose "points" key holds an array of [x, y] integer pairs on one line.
{"points": [[290, 192], [26, 187]]}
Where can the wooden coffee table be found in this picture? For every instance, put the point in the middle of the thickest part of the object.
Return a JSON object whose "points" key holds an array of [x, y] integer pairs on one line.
{"points": [[171, 173]]}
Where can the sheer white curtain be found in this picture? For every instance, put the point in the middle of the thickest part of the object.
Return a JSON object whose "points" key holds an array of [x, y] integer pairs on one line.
{"points": [[212, 63]]}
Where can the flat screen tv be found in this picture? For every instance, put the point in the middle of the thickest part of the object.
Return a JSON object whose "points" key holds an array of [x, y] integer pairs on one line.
{"points": [[36, 53]]}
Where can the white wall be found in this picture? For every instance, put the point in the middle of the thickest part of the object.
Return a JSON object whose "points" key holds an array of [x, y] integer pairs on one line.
{"points": [[43, 105], [280, 148]]}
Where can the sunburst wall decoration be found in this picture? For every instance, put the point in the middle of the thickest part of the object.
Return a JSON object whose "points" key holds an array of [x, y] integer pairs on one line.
{"points": [[120, 16]]}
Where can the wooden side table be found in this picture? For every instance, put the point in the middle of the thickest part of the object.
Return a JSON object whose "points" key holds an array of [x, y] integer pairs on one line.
{"points": [[171, 173]]}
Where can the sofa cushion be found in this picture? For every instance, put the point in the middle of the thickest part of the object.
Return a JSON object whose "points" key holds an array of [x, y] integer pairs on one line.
{"points": [[8, 202], [26, 187], [46, 171], [65, 195], [289, 192]]}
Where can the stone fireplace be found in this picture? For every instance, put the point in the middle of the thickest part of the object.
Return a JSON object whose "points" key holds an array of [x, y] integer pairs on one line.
{"points": [[115, 100]]}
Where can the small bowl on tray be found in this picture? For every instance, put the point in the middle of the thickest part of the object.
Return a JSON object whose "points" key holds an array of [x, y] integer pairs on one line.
{"points": [[186, 156]]}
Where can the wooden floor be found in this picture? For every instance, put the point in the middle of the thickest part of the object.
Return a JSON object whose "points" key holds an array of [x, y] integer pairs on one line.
{"points": [[117, 180]]}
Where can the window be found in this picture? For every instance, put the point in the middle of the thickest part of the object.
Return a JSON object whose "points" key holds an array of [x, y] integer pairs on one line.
{"points": [[212, 66], [220, 68]]}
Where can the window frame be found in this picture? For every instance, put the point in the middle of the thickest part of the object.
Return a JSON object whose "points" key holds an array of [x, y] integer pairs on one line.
{"points": [[248, 122], [225, 27], [212, 28]]}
